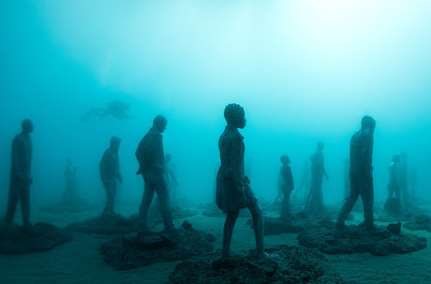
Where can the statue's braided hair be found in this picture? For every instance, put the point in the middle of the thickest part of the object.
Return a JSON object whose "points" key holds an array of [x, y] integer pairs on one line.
{"points": [[233, 113]]}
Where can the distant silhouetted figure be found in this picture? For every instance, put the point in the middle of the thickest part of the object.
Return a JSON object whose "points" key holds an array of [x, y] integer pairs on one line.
{"points": [[315, 204], [394, 190], [171, 178], [151, 160], [404, 180], [233, 190], [20, 175], [110, 174], [70, 195], [286, 186], [361, 173]]}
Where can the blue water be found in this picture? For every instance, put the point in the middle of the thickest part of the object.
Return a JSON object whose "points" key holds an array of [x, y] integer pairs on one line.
{"points": [[305, 71]]}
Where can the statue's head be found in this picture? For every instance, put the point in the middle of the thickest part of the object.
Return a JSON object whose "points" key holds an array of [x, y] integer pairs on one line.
{"points": [[160, 123], [27, 126], [235, 115], [368, 123], [284, 159], [115, 143]]}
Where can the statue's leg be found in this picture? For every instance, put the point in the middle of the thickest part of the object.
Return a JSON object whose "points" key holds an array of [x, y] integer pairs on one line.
{"points": [[165, 206], [12, 203], [367, 195], [256, 214], [24, 196], [228, 230], [147, 198], [348, 206]]}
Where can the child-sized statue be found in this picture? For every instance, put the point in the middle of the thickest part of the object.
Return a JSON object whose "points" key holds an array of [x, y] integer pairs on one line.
{"points": [[286, 186], [110, 174], [233, 187]]}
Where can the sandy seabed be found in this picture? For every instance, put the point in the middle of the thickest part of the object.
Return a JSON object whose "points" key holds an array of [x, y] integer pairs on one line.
{"points": [[80, 261]]}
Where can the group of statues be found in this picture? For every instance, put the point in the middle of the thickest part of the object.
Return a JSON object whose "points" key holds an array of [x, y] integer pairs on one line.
{"points": [[359, 181], [153, 167], [233, 190]]}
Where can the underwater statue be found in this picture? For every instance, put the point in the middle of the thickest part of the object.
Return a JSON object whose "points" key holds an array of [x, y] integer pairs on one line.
{"points": [[314, 204], [393, 202], [116, 109], [394, 190], [110, 174], [70, 195], [171, 178], [285, 186], [151, 158], [233, 190], [404, 180], [20, 175], [361, 174]]}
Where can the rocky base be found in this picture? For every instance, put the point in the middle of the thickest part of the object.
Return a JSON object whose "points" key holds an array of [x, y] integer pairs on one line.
{"points": [[284, 264], [143, 249], [419, 223], [106, 225], [40, 237], [356, 239]]}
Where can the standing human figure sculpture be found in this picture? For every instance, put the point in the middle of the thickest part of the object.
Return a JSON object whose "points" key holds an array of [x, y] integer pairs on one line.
{"points": [[20, 175], [151, 159], [285, 186], [361, 174], [315, 204], [404, 181], [233, 190], [394, 189], [70, 195], [110, 174], [171, 179]]}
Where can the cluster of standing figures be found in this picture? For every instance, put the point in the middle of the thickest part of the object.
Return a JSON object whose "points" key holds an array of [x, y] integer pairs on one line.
{"points": [[233, 191], [398, 192]]}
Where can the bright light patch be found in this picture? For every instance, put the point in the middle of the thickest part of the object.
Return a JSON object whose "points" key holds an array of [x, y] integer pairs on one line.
{"points": [[294, 61]]}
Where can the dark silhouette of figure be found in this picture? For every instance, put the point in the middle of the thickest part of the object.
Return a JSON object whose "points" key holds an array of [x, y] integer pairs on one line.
{"points": [[394, 189], [20, 175], [151, 158], [233, 190], [361, 173], [70, 195], [286, 186], [404, 181], [171, 178], [110, 174], [315, 204]]}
